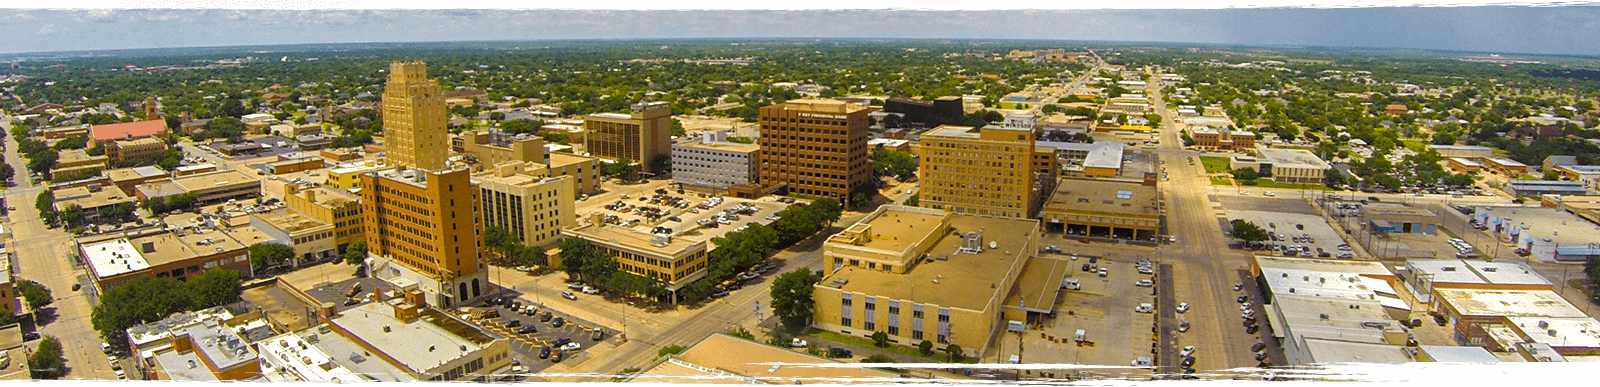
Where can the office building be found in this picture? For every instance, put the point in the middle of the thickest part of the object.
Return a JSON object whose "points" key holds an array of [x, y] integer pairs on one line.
{"points": [[332, 206], [202, 346], [815, 147], [1425, 274], [643, 135], [1536, 188], [348, 176], [75, 162], [422, 227], [422, 342], [532, 207], [981, 171], [924, 274], [725, 359], [414, 118], [208, 188], [492, 147], [1223, 139], [312, 240], [125, 150], [1103, 208], [95, 201], [10, 301], [1316, 306], [1463, 151], [1285, 165], [673, 259], [114, 259], [709, 162], [1505, 166], [295, 162]]}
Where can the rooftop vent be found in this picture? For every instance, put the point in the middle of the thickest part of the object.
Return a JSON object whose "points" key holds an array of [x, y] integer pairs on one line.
{"points": [[386, 330]]}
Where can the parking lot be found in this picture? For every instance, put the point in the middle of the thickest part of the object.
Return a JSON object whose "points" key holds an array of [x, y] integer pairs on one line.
{"points": [[528, 344], [689, 216], [1104, 307], [1286, 228]]}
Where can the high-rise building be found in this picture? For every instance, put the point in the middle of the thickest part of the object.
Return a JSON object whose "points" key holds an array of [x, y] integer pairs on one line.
{"points": [[980, 171], [423, 228], [532, 207], [414, 118], [816, 147], [642, 136], [710, 162], [422, 224]]}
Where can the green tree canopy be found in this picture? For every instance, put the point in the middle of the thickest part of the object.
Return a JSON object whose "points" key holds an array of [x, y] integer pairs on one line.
{"points": [[1249, 232], [266, 254], [791, 298]]}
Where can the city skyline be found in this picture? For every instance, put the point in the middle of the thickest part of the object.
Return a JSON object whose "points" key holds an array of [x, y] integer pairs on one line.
{"points": [[1519, 30]]}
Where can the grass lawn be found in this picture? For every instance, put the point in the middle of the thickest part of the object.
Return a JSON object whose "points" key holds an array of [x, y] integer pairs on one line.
{"points": [[937, 356], [1221, 181], [1268, 183], [1215, 164], [1447, 232], [1013, 105]]}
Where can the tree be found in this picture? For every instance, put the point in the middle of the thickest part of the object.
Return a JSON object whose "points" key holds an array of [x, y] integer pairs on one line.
{"points": [[46, 204], [1333, 178], [35, 294], [879, 358], [46, 362], [216, 286], [955, 352], [670, 350], [577, 255], [880, 339], [1249, 232], [926, 347], [886, 163], [623, 167], [911, 201], [147, 299], [266, 254], [1187, 140], [791, 297], [1245, 175]]}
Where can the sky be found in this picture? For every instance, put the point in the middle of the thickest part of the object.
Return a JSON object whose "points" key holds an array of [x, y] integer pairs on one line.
{"points": [[1569, 29]]}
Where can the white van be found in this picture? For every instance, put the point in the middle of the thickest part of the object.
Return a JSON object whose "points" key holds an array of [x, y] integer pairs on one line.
{"points": [[1070, 283], [1145, 308]]}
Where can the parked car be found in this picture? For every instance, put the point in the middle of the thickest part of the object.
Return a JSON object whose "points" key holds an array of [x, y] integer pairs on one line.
{"points": [[1183, 326], [573, 346], [839, 353], [526, 329], [797, 343], [568, 295], [1258, 346], [596, 335], [544, 352], [555, 356], [1183, 307], [1252, 329], [514, 323], [1242, 299], [1189, 350], [1238, 286], [590, 290], [1144, 283], [558, 322]]}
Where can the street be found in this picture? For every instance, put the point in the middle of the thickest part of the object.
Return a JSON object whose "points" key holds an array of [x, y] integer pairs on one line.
{"points": [[42, 256]]}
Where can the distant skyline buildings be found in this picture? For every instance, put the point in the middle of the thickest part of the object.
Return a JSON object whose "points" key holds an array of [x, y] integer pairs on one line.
{"points": [[1568, 30]]}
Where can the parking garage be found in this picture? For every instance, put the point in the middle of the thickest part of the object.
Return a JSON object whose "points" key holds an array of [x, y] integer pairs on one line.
{"points": [[1123, 209]]}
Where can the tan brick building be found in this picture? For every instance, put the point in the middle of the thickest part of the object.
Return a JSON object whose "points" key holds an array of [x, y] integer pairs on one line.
{"points": [[982, 171], [414, 118], [816, 147], [642, 136]]}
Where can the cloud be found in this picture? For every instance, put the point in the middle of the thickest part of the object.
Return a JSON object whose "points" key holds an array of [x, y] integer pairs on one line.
{"points": [[46, 29], [99, 15]]}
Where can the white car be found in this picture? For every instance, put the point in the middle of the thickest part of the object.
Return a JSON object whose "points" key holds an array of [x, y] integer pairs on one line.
{"points": [[1244, 192], [1244, 307], [1144, 283], [590, 290], [1145, 308], [1268, 193], [1189, 350], [1184, 307], [572, 346], [1248, 314], [797, 343]]}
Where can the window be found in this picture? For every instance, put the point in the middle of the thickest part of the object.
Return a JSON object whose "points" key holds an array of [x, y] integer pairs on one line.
{"points": [[893, 330], [916, 334], [944, 339], [845, 321]]}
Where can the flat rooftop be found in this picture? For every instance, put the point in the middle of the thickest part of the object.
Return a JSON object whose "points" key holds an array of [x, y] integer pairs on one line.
{"points": [[1040, 284], [723, 146], [618, 116], [353, 356], [177, 367], [1568, 332], [159, 329], [1328, 279], [1395, 209], [893, 231], [288, 221], [1332, 319], [1462, 147], [1451, 354], [1105, 156], [1111, 196], [632, 237], [421, 344], [212, 180], [84, 198], [1466, 161], [755, 360], [559, 160], [960, 280], [1508, 303], [220, 344], [290, 357], [124, 174], [1505, 162], [1561, 227], [1293, 158], [119, 256], [1334, 351]]}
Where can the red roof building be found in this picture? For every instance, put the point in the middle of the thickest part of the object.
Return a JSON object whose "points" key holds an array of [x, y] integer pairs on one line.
{"points": [[129, 130]]}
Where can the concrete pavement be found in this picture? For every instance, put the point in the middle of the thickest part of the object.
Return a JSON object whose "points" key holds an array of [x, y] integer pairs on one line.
{"points": [[42, 256]]}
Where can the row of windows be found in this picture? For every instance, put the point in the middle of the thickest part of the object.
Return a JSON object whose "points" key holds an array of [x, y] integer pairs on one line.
{"points": [[386, 191]]}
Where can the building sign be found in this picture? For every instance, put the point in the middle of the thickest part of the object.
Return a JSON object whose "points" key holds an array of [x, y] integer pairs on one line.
{"points": [[813, 115]]}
